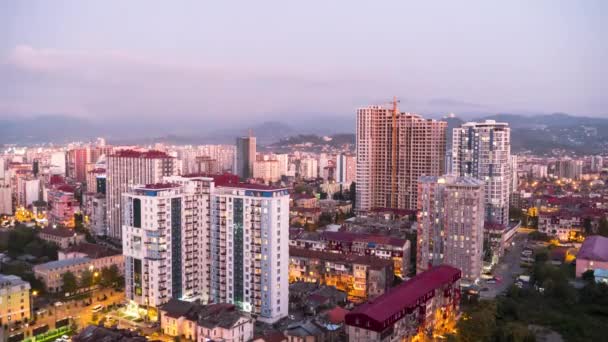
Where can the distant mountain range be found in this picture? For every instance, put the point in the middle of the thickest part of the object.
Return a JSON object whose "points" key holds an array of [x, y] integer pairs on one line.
{"points": [[538, 133]]}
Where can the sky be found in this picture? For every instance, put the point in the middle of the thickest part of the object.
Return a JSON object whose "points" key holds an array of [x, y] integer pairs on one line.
{"points": [[229, 62]]}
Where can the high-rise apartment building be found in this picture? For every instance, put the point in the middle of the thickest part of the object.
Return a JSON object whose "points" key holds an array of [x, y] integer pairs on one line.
{"points": [[482, 150], [450, 224], [57, 163], [249, 245], [513, 169], [309, 168], [6, 198], [163, 240], [346, 167], [216, 240], [127, 168], [267, 170], [569, 168], [245, 156], [393, 150], [77, 159], [597, 163]]}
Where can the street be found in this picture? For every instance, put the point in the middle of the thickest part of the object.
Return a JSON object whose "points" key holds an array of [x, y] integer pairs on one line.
{"points": [[76, 309], [508, 269]]}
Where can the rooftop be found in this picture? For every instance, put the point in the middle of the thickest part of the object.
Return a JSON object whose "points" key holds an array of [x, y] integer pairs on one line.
{"points": [[93, 251], [12, 280], [408, 293], [59, 231], [151, 154], [94, 333], [66, 188], [51, 265], [159, 186], [594, 248], [368, 260], [209, 316], [362, 237], [336, 315]]}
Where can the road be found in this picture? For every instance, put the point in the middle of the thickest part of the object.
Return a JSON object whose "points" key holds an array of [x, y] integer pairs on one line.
{"points": [[75, 308], [508, 269]]}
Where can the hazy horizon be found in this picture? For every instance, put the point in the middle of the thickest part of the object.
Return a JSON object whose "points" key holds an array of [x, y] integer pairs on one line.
{"points": [[277, 61]]}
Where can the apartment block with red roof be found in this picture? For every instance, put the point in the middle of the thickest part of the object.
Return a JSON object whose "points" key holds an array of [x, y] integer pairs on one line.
{"points": [[418, 305]]}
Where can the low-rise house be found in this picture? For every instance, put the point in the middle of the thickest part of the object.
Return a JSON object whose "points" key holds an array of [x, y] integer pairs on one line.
{"points": [[560, 224], [312, 330], [386, 247], [417, 306], [51, 272], [213, 322], [270, 336], [94, 333], [498, 237], [61, 236], [362, 277], [305, 201], [593, 255], [100, 256]]}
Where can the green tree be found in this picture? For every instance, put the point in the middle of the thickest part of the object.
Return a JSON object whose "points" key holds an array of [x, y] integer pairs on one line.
{"points": [[478, 324], [603, 227], [70, 283], [514, 332], [352, 193], [325, 219], [587, 226], [86, 279], [515, 213]]}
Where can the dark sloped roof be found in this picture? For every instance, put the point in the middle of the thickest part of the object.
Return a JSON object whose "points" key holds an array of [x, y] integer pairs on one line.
{"points": [[209, 316], [368, 260], [93, 251], [406, 294]]}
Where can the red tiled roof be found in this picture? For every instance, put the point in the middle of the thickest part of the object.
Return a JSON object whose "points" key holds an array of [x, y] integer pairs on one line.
{"points": [[408, 293], [66, 188], [56, 179], [337, 315], [594, 248], [98, 170]]}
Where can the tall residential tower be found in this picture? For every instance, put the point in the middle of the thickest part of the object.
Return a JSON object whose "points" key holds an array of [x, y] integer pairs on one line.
{"points": [[450, 224], [245, 156], [213, 239], [482, 150], [127, 168]]}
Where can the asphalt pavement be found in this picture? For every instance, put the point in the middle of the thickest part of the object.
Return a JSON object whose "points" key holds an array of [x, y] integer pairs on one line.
{"points": [[508, 269]]}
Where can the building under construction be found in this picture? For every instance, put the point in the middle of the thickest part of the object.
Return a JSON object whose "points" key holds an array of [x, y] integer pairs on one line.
{"points": [[393, 150]]}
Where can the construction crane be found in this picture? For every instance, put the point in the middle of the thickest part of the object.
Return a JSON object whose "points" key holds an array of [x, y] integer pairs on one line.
{"points": [[394, 154]]}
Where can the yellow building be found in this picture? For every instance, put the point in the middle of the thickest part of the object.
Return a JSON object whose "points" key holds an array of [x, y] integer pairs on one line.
{"points": [[14, 299]]}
